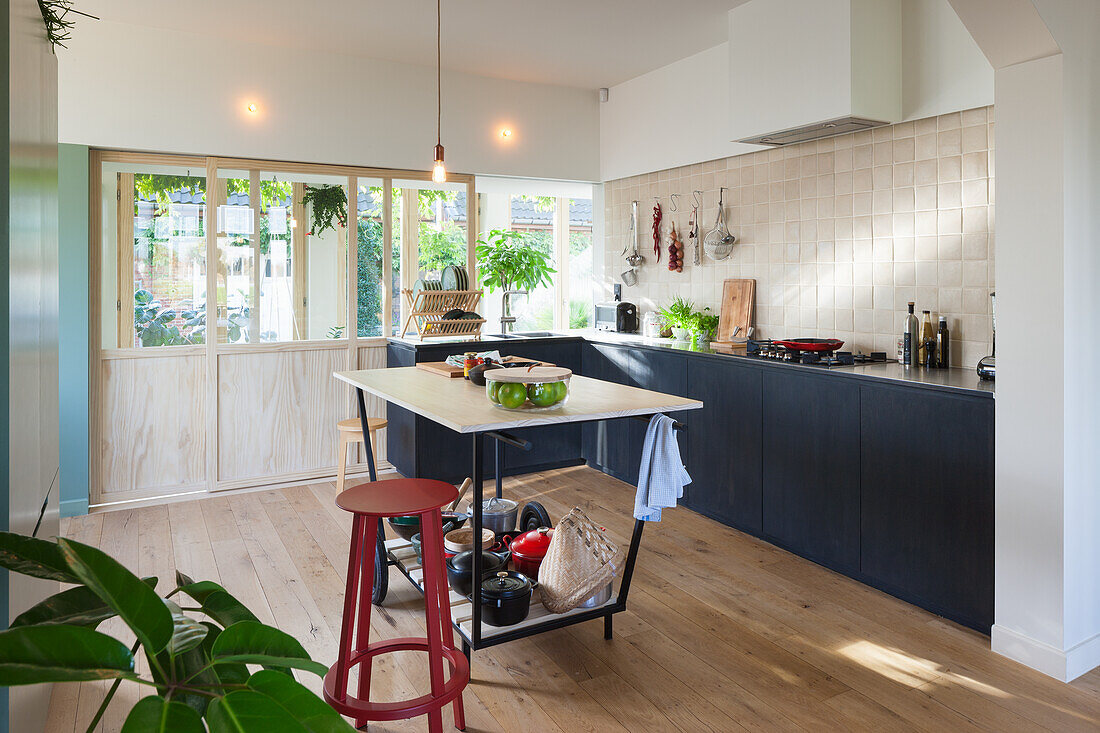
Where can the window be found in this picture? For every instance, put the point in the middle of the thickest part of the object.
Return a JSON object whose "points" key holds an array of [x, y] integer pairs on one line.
{"points": [[560, 227], [154, 229]]}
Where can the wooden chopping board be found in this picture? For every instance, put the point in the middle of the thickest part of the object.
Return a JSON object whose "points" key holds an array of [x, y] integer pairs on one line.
{"points": [[738, 309], [444, 369]]}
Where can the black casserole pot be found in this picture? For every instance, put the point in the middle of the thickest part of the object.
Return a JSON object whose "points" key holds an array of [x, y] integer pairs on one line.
{"points": [[505, 598], [461, 567]]}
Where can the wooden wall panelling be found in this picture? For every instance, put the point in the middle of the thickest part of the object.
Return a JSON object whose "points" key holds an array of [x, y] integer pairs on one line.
{"points": [[277, 413], [370, 357], [152, 426], [125, 228]]}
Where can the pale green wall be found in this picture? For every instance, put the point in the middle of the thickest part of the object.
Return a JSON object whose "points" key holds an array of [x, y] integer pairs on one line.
{"points": [[73, 377]]}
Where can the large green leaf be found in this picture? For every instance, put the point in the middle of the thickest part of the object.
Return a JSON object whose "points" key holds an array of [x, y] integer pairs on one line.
{"points": [[34, 557], [229, 674], [187, 633], [312, 712], [248, 711], [154, 714], [134, 601], [78, 606], [254, 643], [216, 602], [32, 654]]}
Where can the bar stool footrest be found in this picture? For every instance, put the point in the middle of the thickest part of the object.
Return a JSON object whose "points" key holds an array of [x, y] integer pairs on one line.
{"points": [[399, 709]]}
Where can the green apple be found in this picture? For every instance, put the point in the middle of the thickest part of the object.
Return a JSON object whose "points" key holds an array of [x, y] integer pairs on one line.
{"points": [[512, 394], [560, 391], [492, 388], [542, 395]]}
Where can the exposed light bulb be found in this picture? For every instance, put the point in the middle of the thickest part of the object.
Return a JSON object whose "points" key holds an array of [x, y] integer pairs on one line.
{"points": [[252, 107], [506, 132], [439, 173]]}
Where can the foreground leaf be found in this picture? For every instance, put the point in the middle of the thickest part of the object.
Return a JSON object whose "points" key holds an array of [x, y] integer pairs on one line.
{"points": [[215, 600], [229, 674], [134, 601], [34, 557], [32, 654], [154, 714], [187, 633], [311, 711], [248, 711], [78, 606], [254, 643]]}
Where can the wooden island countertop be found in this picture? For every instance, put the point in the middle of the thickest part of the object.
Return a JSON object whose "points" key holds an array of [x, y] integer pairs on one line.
{"points": [[464, 407]]}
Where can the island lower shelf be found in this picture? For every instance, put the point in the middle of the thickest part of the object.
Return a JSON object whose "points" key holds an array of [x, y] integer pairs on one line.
{"points": [[403, 556]]}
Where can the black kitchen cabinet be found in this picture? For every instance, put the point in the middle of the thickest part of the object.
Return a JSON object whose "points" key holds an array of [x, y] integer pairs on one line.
{"points": [[810, 453], [724, 442], [927, 500], [609, 445]]}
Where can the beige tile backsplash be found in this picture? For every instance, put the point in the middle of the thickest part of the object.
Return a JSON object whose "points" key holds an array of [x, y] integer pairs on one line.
{"points": [[839, 233]]}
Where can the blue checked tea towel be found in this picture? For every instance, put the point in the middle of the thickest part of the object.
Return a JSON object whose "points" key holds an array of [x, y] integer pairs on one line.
{"points": [[662, 477]]}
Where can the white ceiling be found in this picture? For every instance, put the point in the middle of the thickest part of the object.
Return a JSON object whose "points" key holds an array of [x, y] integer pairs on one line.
{"points": [[577, 43]]}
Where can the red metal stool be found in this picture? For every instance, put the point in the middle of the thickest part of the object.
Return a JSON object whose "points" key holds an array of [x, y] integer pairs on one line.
{"points": [[370, 502]]}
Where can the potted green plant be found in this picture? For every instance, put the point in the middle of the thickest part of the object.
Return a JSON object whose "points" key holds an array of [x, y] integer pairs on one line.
{"points": [[507, 262], [703, 324], [198, 677], [678, 316]]}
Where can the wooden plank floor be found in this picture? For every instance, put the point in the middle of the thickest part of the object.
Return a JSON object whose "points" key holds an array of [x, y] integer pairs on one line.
{"points": [[724, 632]]}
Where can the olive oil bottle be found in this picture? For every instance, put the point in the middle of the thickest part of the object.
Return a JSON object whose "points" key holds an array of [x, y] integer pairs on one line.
{"points": [[910, 339], [927, 339]]}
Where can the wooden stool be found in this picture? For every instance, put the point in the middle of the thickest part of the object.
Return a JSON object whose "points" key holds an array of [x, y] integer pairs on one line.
{"points": [[369, 502], [351, 431]]}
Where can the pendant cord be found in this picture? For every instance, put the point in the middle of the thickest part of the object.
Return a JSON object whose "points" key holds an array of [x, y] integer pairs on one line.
{"points": [[438, 76]]}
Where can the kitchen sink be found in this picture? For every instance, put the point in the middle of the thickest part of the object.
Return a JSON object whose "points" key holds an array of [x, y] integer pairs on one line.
{"points": [[534, 334], [503, 336]]}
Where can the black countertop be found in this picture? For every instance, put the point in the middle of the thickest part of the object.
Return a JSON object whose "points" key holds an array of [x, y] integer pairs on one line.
{"points": [[954, 380]]}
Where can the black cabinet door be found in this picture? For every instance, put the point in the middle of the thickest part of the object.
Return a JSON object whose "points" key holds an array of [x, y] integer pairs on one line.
{"points": [[724, 440], [927, 498], [811, 466], [614, 446]]}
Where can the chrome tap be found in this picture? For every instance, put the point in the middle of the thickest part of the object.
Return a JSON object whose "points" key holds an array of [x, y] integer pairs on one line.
{"points": [[507, 320]]}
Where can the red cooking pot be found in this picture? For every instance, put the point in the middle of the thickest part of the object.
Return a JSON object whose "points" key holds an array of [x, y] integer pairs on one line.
{"points": [[529, 549], [810, 344]]}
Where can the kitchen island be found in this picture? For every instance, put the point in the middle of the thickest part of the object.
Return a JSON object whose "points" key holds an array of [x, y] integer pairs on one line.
{"points": [[879, 472], [465, 410]]}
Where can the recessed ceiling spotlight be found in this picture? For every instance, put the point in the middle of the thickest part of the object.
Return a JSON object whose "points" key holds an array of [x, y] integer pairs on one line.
{"points": [[506, 132], [252, 107]]}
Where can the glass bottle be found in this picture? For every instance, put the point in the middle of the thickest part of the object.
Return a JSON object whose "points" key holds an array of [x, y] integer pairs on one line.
{"points": [[910, 338], [943, 345], [926, 336]]}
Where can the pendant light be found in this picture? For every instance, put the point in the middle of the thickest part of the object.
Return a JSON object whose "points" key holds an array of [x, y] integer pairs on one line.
{"points": [[439, 173]]}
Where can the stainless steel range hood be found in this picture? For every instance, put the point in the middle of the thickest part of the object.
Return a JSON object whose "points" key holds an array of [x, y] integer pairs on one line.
{"points": [[814, 131]]}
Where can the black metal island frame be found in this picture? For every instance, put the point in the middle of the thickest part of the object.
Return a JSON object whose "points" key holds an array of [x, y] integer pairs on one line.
{"points": [[464, 409]]}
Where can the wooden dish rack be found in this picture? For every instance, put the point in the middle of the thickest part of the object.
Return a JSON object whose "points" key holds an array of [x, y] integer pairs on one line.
{"points": [[426, 311]]}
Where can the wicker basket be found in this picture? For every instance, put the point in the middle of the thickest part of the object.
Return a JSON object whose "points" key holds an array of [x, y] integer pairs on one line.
{"points": [[579, 562]]}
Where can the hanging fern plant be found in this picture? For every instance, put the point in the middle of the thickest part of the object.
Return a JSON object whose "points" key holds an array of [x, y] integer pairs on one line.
{"points": [[329, 203]]}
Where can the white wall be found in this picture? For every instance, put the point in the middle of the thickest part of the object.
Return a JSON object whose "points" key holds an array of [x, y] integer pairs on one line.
{"points": [[150, 89], [1075, 25], [943, 68], [1030, 388], [679, 114]]}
